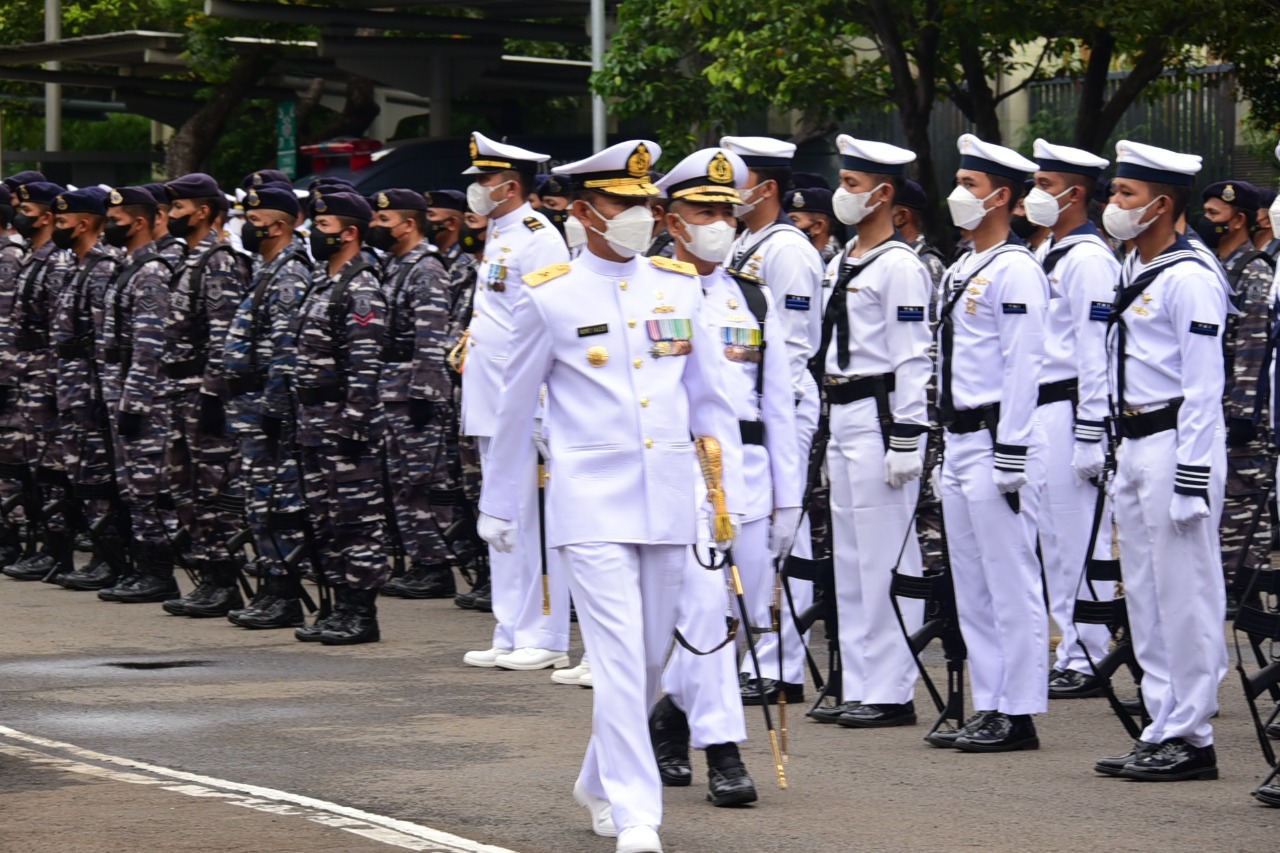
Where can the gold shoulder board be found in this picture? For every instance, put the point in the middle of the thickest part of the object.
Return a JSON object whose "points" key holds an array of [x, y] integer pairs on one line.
{"points": [[545, 274], [673, 266], [533, 223]]}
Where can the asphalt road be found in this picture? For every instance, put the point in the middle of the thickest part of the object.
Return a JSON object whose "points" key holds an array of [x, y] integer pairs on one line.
{"points": [[232, 740]]}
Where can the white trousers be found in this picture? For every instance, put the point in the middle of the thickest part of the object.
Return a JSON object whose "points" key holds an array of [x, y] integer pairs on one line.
{"points": [[999, 593], [870, 520], [705, 687], [627, 598], [517, 578], [793, 644], [1064, 530], [1173, 589]]}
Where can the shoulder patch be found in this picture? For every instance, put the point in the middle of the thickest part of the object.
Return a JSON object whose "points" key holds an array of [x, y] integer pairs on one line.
{"points": [[1100, 311], [910, 313], [1014, 307], [545, 274], [1210, 329], [671, 265], [533, 223], [797, 303]]}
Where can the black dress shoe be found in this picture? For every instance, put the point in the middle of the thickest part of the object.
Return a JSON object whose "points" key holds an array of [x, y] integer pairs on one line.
{"points": [[1268, 794], [1074, 685], [879, 716], [751, 692], [1112, 765], [1174, 761], [830, 713], [728, 783], [669, 733], [946, 738], [1001, 733]]}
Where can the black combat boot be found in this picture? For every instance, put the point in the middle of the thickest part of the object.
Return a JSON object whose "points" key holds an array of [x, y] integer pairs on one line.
{"points": [[224, 596], [728, 783], [10, 545], [669, 733], [278, 605], [433, 580], [154, 581], [32, 568], [331, 615], [61, 548], [359, 620], [99, 574], [202, 590]]}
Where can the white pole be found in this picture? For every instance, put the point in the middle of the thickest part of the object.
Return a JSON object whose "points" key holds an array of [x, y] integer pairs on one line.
{"points": [[53, 91], [598, 118]]}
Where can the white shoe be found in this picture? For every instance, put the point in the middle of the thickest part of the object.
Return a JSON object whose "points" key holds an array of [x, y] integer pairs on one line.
{"points": [[530, 659], [639, 839], [571, 676], [586, 679], [484, 658], [601, 811]]}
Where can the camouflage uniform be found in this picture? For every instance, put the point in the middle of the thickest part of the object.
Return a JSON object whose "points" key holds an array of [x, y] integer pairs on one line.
{"points": [[257, 338], [204, 298], [929, 519], [171, 247], [464, 459], [416, 288], [11, 449], [135, 311], [1249, 452], [336, 370]]}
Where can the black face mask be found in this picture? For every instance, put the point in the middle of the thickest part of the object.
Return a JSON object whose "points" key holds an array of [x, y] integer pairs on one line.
{"points": [[180, 226], [324, 244], [1211, 232], [116, 235], [557, 217], [64, 238], [379, 237], [24, 224], [471, 240], [1022, 226], [434, 229], [251, 238]]}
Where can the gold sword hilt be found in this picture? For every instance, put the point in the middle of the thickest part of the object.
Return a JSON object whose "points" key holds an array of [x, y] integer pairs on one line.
{"points": [[712, 463]]}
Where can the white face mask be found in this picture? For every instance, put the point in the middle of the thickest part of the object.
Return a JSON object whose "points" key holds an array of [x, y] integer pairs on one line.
{"points": [[708, 242], [741, 210], [1127, 224], [480, 198], [851, 208], [574, 234], [630, 232], [1042, 208], [1274, 213], [967, 210]]}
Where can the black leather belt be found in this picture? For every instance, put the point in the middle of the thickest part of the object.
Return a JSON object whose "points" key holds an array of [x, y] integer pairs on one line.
{"points": [[858, 389], [247, 383], [752, 432], [1056, 392], [75, 350], [184, 369], [30, 341], [1143, 424], [972, 420], [317, 394]]}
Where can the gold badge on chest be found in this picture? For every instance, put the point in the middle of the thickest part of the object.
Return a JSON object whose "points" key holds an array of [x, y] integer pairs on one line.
{"points": [[597, 356]]}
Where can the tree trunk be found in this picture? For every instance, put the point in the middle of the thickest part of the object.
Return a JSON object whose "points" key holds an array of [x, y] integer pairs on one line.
{"points": [[358, 112], [981, 100], [190, 146], [1098, 116]]}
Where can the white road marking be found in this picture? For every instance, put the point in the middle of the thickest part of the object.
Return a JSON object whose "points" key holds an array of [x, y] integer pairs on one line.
{"points": [[387, 830]]}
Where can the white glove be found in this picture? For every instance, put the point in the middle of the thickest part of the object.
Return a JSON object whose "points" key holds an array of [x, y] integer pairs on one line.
{"points": [[1187, 511], [501, 535], [735, 520], [540, 440], [901, 467], [1008, 481], [1087, 459], [935, 481], [782, 532]]}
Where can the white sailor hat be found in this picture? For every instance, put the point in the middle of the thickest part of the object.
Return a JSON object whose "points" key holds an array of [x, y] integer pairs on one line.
{"points": [[878, 158], [1155, 165], [1278, 150], [709, 175], [764, 152], [1060, 158], [490, 156], [993, 159], [621, 169]]}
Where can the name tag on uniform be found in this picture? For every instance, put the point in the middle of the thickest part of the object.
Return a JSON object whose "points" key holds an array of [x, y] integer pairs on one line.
{"points": [[797, 303], [1014, 307], [1210, 329], [910, 313], [588, 331], [1100, 311]]}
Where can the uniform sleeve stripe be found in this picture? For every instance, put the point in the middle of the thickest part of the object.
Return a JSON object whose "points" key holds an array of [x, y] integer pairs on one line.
{"points": [[908, 445]]}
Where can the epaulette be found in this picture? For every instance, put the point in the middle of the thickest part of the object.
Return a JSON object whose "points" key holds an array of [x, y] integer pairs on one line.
{"points": [[673, 266], [533, 223], [545, 274]]}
